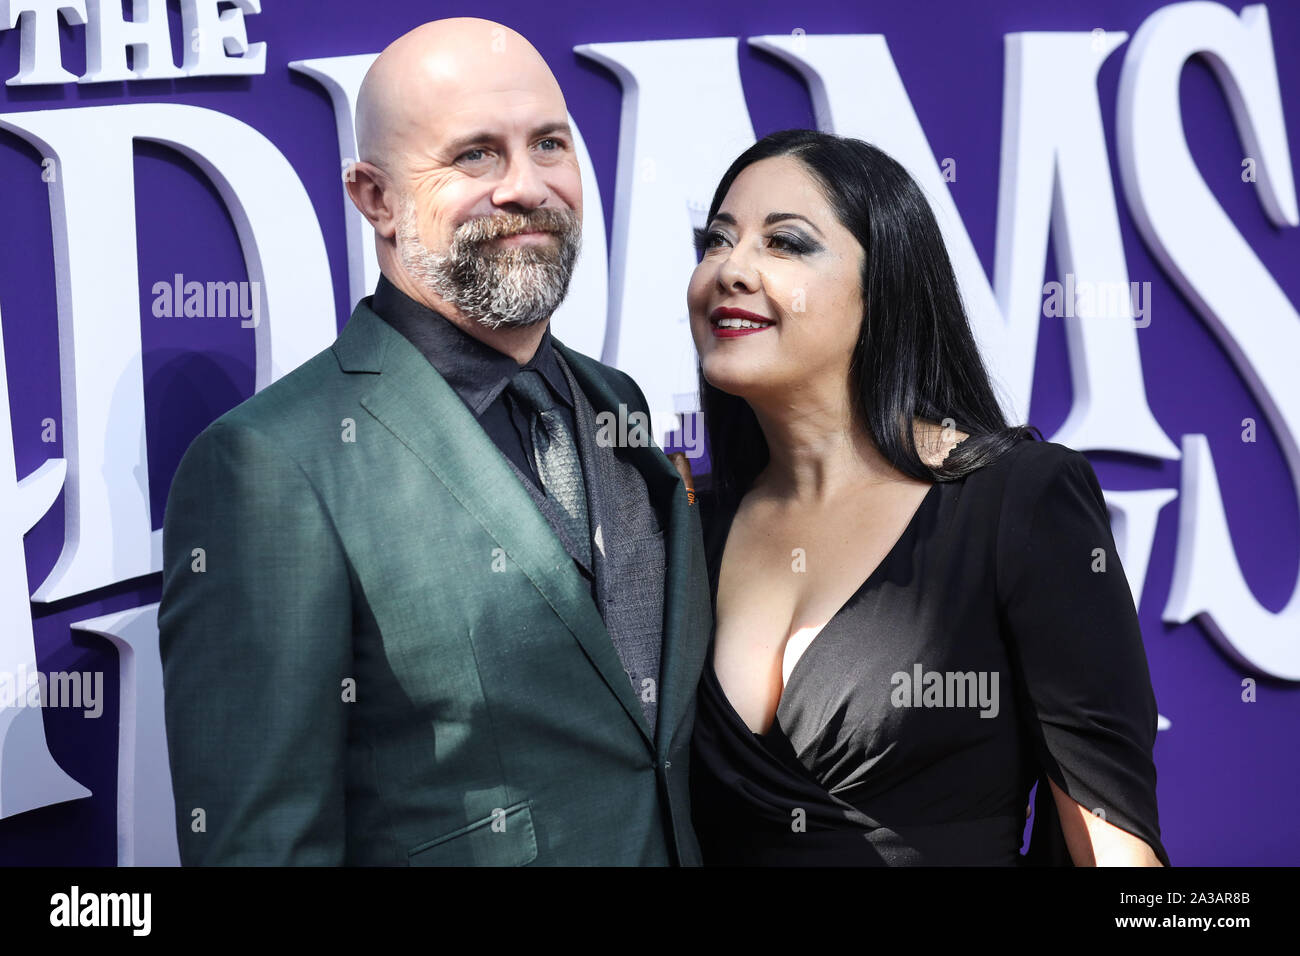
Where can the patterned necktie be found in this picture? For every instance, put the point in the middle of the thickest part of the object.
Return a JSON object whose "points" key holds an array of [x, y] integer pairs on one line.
{"points": [[555, 454]]}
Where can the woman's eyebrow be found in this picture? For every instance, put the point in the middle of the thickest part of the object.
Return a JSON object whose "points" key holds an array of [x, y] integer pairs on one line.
{"points": [[778, 216], [771, 218]]}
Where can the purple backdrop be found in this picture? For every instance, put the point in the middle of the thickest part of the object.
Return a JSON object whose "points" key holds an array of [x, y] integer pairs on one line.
{"points": [[1225, 781]]}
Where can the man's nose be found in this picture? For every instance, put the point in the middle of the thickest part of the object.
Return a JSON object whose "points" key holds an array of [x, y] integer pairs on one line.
{"points": [[522, 185]]}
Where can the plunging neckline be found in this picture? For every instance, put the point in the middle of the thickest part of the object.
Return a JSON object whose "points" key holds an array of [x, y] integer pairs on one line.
{"points": [[870, 578]]}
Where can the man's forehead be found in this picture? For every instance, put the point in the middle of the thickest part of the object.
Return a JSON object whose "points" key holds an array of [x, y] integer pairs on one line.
{"points": [[446, 92], [476, 121], [469, 72]]}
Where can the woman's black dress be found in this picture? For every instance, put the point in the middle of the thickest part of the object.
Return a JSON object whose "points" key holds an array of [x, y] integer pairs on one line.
{"points": [[884, 750]]}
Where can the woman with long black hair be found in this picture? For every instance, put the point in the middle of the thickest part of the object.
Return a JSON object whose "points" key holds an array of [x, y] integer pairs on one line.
{"points": [[920, 611]]}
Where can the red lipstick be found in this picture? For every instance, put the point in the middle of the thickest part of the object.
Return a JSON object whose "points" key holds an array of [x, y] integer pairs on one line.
{"points": [[726, 312]]}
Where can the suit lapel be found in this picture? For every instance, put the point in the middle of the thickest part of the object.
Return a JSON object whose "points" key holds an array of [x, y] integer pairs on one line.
{"points": [[416, 404], [683, 650]]}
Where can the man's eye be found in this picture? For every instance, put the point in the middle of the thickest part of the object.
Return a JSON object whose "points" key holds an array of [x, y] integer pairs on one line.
{"points": [[473, 155], [555, 142]]}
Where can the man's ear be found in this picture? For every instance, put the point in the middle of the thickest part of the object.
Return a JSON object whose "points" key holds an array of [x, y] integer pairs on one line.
{"points": [[372, 192]]}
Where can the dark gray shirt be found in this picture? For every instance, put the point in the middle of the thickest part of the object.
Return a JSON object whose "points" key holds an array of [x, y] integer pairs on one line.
{"points": [[476, 372]]}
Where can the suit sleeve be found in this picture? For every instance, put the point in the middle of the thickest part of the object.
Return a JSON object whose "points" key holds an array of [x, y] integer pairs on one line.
{"points": [[630, 388], [255, 636], [1076, 646]]}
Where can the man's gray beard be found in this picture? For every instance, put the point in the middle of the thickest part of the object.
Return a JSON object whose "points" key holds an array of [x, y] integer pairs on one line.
{"points": [[510, 287]]}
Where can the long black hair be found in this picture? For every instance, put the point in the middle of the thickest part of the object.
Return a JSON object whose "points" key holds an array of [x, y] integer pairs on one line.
{"points": [[915, 356]]}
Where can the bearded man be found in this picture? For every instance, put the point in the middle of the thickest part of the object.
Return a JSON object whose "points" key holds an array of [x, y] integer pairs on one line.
{"points": [[415, 609]]}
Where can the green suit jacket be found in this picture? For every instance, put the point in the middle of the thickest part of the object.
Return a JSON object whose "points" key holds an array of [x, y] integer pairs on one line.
{"points": [[376, 650]]}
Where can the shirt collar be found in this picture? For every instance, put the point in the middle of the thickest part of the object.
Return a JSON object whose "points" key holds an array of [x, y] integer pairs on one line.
{"points": [[475, 371]]}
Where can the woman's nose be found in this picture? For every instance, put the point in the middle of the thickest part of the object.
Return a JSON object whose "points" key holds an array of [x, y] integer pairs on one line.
{"points": [[737, 272]]}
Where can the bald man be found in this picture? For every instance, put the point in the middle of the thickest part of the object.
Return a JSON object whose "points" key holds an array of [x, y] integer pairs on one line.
{"points": [[417, 607]]}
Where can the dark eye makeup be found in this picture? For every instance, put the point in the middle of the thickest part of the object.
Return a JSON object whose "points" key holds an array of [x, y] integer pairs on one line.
{"points": [[790, 242]]}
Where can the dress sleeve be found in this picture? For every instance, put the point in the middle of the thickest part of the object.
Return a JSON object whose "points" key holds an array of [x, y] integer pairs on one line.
{"points": [[1079, 665]]}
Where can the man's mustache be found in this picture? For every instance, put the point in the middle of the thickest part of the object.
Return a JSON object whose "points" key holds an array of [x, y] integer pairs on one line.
{"points": [[486, 228]]}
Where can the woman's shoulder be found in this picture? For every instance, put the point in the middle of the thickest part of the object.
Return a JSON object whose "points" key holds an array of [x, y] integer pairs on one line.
{"points": [[1050, 508], [1032, 456], [1026, 484], [1033, 453], [1029, 467]]}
